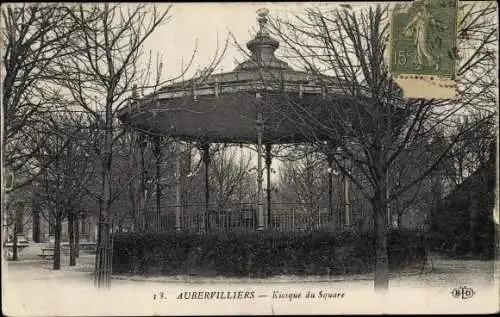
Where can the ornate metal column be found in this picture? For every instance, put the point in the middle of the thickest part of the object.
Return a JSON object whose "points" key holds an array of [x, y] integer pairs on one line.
{"points": [[178, 207], [260, 210], [347, 202], [143, 194], [268, 169], [329, 151], [330, 188], [157, 149], [206, 159]]}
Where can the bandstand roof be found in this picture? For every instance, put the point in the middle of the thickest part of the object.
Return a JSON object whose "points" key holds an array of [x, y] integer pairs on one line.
{"points": [[224, 107]]}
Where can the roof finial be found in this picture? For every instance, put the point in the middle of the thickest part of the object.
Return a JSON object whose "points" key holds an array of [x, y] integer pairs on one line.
{"points": [[262, 13]]}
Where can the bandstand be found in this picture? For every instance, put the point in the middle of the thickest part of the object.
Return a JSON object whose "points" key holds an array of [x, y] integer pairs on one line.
{"points": [[260, 103]]}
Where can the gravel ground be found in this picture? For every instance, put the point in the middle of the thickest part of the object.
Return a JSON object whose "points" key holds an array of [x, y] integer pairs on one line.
{"points": [[32, 288]]}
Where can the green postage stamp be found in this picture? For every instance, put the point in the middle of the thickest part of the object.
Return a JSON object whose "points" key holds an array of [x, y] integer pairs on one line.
{"points": [[423, 48]]}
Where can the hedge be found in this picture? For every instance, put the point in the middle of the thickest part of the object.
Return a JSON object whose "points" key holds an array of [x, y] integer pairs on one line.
{"points": [[260, 254], [451, 232]]}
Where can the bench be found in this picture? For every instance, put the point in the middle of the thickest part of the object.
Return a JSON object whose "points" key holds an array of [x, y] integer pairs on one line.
{"points": [[88, 247], [47, 252], [9, 247], [20, 245]]}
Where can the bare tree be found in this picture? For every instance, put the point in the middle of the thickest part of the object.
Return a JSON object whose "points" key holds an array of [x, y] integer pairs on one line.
{"points": [[100, 80], [64, 173], [34, 36], [227, 173], [303, 182], [467, 155], [367, 118], [419, 199], [231, 183], [142, 166], [109, 73]]}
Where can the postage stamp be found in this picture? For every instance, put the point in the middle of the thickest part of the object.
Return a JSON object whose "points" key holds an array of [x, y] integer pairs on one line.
{"points": [[423, 47]]}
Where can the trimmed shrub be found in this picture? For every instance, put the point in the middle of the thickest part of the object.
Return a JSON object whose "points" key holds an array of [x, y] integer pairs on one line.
{"points": [[260, 254]]}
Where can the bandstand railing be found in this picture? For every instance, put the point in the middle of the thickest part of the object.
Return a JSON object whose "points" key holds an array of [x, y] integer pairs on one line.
{"points": [[243, 217]]}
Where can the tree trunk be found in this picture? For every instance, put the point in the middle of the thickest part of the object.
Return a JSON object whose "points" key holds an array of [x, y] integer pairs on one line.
{"points": [[71, 235], [102, 277], [15, 256], [36, 226], [142, 197], [57, 243], [382, 261], [399, 213], [136, 221], [77, 236]]}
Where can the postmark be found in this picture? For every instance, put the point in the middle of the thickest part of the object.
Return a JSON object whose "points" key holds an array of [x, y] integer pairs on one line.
{"points": [[423, 48]]}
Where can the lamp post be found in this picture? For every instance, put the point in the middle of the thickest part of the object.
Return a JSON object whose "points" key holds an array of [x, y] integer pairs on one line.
{"points": [[259, 124], [268, 190]]}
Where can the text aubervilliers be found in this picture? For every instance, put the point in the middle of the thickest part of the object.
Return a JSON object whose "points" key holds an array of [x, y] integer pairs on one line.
{"points": [[235, 295]]}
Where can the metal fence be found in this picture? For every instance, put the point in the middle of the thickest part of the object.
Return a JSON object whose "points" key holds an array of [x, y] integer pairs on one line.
{"points": [[240, 217]]}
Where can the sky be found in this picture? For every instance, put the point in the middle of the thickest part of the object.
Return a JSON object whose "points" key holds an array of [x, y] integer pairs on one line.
{"points": [[208, 24]]}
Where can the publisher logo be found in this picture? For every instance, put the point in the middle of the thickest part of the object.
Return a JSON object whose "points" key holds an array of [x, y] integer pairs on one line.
{"points": [[463, 292]]}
